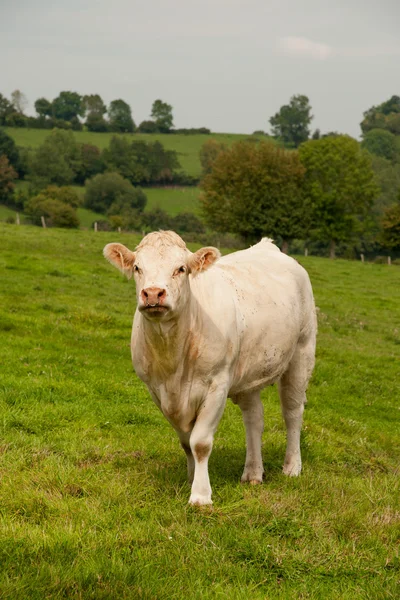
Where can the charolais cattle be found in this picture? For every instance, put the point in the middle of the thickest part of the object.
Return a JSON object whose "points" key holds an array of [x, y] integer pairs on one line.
{"points": [[207, 328]]}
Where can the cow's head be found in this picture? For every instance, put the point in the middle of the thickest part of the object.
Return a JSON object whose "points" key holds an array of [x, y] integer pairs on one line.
{"points": [[161, 265]]}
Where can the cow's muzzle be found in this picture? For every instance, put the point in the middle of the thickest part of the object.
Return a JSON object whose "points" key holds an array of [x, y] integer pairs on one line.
{"points": [[153, 299]]}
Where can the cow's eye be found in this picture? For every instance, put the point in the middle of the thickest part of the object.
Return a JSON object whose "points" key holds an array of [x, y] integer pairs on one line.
{"points": [[136, 269], [182, 269]]}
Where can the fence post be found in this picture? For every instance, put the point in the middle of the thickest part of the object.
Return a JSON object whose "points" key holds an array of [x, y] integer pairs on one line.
{"points": [[389, 260], [305, 251], [119, 229], [43, 222], [95, 225], [362, 258], [17, 219]]}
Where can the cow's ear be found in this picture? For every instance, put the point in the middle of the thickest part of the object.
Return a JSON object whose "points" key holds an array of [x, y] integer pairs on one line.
{"points": [[121, 257], [203, 259]]}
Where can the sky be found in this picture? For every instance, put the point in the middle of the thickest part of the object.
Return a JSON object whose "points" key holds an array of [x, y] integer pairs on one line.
{"points": [[224, 64]]}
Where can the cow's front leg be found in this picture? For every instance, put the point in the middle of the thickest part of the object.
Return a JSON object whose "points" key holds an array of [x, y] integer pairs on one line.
{"points": [[185, 443], [201, 441]]}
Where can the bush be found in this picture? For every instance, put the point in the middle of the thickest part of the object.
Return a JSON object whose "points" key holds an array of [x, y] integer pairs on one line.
{"points": [[91, 163], [56, 161], [187, 222], [7, 177], [56, 213], [64, 194], [147, 127], [102, 191]]}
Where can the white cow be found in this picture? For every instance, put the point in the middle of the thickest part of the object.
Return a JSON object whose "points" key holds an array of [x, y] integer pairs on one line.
{"points": [[207, 328]]}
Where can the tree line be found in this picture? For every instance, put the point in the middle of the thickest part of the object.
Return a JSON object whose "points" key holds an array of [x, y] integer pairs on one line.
{"points": [[71, 110]]}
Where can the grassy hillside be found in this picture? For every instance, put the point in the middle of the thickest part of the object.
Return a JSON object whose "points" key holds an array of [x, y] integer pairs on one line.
{"points": [[93, 490], [187, 146]]}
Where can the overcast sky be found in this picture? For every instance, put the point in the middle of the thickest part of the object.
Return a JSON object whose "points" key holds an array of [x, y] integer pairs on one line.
{"points": [[224, 64]]}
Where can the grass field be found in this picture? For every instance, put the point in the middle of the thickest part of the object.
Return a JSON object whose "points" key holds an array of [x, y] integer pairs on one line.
{"points": [[93, 491], [187, 146]]}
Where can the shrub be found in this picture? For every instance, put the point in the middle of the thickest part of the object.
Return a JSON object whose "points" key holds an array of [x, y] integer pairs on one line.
{"points": [[56, 213], [147, 127], [7, 177], [102, 191]]}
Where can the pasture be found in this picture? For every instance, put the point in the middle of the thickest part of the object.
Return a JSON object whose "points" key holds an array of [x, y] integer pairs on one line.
{"points": [[187, 146], [93, 490]]}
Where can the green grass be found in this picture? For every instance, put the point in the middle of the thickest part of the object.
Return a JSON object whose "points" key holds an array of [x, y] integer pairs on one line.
{"points": [[93, 491], [187, 146], [173, 200]]}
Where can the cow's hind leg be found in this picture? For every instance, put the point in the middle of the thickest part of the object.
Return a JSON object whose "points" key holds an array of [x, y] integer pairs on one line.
{"points": [[253, 418], [292, 391]]}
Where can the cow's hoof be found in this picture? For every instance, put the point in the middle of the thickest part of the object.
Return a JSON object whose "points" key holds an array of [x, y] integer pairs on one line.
{"points": [[292, 469], [253, 481], [197, 500]]}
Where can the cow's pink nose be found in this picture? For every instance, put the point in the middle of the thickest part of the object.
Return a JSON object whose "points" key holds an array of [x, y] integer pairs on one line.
{"points": [[153, 295]]}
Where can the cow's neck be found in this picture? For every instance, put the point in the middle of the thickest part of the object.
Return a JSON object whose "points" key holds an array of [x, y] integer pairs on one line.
{"points": [[167, 339]]}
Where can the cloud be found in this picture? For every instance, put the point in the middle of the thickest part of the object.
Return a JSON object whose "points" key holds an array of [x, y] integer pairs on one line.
{"points": [[302, 47]]}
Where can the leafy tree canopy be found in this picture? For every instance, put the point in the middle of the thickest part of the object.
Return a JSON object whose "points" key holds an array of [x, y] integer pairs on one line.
{"points": [[43, 107], [120, 117], [208, 153], [103, 191], [390, 236], [381, 143], [7, 178], [384, 116], [161, 113], [56, 161], [291, 123], [68, 105], [339, 185], [255, 190]]}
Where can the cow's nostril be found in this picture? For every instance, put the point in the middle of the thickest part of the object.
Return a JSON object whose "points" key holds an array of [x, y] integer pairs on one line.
{"points": [[161, 293], [145, 294]]}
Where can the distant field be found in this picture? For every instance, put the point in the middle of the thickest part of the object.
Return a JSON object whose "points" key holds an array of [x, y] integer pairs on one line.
{"points": [[93, 480], [187, 146]]}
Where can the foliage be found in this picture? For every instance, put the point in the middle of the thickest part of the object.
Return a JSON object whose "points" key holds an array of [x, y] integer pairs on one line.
{"points": [[43, 107], [91, 163], [157, 218], [19, 101], [381, 143], [6, 108], [9, 149], [339, 185], [56, 212], [161, 113], [291, 123], [64, 194], [255, 191], [208, 153], [141, 162], [390, 236], [120, 117], [147, 127], [68, 106], [384, 116], [103, 191], [7, 178], [187, 222], [387, 174], [95, 110], [56, 161]]}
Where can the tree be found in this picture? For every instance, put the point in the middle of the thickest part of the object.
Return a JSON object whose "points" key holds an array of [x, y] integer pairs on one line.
{"points": [[387, 174], [43, 107], [6, 108], [68, 105], [390, 236], [147, 127], [291, 123], [255, 191], [339, 185], [9, 149], [120, 117], [384, 116], [91, 163], [57, 160], [208, 153], [19, 101], [64, 194], [161, 113], [102, 191], [7, 178], [381, 143], [56, 213], [95, 110]]}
